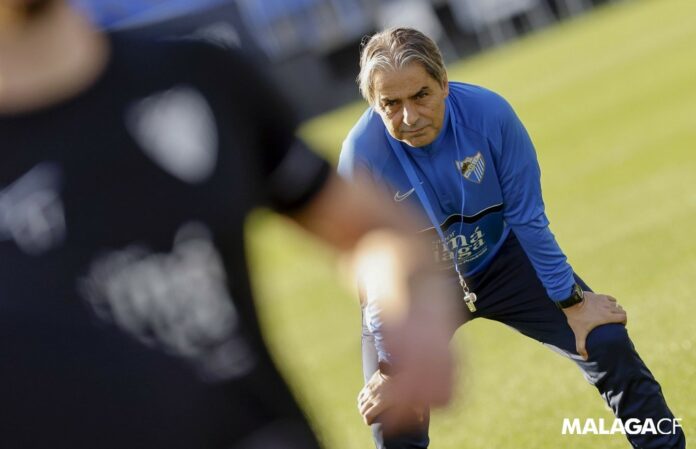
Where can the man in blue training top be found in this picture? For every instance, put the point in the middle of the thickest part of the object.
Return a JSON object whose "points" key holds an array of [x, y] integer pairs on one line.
{"points": [[459, 153]]}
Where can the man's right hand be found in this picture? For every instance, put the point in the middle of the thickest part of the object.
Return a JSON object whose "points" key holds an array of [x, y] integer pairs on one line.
{"points": [[382, 397], [377, 395], [593, 311]]}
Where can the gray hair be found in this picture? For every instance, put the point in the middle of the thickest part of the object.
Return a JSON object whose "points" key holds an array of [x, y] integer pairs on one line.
{"points": [[393, 49]]}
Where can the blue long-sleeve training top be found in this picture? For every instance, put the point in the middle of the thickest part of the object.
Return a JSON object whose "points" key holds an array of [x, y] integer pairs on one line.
{"points": [[481, 177]]}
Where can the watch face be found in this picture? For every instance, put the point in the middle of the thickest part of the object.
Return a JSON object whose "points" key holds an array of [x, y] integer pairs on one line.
{"points": [[576, 296], [578, 292]]}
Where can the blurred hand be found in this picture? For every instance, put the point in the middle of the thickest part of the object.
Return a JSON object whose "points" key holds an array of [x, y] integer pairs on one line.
{"points": [[422, 373], [593, 311], [417, 304], [418, 312]]}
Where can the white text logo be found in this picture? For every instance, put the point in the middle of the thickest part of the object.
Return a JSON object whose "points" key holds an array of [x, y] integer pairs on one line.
{"points": [[631, 426]]}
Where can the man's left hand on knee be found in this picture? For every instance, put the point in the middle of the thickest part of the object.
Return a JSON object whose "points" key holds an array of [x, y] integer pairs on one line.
{"points": [[593, 311]]}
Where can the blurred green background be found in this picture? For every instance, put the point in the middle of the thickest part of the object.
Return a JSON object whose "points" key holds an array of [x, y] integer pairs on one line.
{"points": [[610, 101]]}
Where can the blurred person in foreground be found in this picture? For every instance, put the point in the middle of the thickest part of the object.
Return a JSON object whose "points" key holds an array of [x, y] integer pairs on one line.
{"points": [[127, 169], [459, 154]]}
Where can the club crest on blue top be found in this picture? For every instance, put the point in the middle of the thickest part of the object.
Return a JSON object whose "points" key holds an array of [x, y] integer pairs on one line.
{"points": [[472, 168]]}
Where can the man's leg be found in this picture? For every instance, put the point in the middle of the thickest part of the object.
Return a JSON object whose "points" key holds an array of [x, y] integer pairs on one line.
{"points": [[511, 293], [418, 439], [621, 377], [617, 371]]}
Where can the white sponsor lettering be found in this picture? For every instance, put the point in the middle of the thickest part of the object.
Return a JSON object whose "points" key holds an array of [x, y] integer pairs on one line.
{"points": [[464, 248], [174, 301], [31, 210]]}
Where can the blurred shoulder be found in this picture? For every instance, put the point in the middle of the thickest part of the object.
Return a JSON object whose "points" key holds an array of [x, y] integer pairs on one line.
{"points": [[365, 145], [152, 56]]}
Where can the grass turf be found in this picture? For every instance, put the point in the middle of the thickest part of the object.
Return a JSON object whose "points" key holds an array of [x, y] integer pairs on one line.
{"points": [[610, 101]]}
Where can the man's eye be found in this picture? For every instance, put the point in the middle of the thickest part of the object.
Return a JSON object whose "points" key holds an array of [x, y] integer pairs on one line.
{"points": [[420, 95], [388, 104]]}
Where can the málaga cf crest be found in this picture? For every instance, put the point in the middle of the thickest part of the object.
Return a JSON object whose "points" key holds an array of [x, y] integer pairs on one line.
{"points": [[472, 168]]}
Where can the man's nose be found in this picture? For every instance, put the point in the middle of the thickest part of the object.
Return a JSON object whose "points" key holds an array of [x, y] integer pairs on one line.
{"points": [[410, 116]]}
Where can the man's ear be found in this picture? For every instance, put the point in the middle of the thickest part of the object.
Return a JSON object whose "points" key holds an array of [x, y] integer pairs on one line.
{"points": [[445, 86]]}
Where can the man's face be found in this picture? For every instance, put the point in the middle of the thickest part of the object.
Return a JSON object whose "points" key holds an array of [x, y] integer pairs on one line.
{"points": [[411, 104]]}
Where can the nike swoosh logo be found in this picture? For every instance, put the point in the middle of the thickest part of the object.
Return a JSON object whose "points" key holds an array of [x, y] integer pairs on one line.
{"points": [[402, 196]]}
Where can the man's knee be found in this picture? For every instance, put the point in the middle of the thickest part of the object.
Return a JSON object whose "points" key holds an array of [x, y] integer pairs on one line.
{"points": [[611, 339], [612, 353]]}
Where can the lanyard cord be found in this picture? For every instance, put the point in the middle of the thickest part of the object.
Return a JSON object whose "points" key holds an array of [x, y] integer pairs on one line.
{"points": [[469, 297]]}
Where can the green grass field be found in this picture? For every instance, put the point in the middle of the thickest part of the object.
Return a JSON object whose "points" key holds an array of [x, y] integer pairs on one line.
{"points": [[610, 101]]}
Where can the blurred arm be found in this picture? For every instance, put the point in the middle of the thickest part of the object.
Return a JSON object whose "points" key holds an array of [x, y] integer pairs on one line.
{"points": [[394, 266], [341, 213]]}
